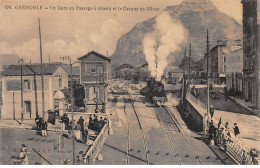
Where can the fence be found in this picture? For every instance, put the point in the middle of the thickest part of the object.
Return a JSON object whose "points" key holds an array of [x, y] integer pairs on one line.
{"points": [[234, 148], [91, 155], [230, 145]]}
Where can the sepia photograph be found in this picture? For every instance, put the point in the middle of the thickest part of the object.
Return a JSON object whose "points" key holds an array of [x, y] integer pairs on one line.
{"points": [[129, 82]]}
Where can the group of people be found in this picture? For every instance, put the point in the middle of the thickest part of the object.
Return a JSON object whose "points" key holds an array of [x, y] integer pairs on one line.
{"points": [[65, 122], [81, 128], [217, 134], [95, 124], [41, 125]]}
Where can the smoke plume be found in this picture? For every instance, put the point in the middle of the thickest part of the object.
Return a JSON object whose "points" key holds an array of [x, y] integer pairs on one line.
{"points": [[167, 38]]}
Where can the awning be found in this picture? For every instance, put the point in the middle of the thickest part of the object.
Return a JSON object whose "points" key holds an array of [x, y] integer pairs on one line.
{"points": [[222, 75]]}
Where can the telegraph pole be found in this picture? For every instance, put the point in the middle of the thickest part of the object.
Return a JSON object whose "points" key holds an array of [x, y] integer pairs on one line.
{"points": [[207, 55], [22, 108], [40, 38], [189, 63], [72, 111], [183, 79], [13, 106], [72, 108]]}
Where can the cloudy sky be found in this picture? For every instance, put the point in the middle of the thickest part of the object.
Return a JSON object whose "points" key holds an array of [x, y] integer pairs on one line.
{"points": [[74, 33]]}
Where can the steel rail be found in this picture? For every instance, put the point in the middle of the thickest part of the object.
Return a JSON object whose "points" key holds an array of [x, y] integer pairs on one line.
{"points": [[186, 140], [141, 128], [128, 140], [172, 144]]}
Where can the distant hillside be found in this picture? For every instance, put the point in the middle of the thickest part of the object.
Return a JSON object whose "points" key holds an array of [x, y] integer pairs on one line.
{"points": [[196, 15]]}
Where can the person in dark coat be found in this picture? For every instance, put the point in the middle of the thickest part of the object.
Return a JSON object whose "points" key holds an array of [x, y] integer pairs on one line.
{"points": [[66, 120], [40, 123], [95, 123], [81, 123], [212, 130], [101, 123], [63, 118], [37, 123], [236, 130], [90, 122], [44, 128]]}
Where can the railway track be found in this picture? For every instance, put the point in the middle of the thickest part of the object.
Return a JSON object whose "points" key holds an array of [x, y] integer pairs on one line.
{"points": [[182, 134], [171, 119], [166, 118], [129, 133]]}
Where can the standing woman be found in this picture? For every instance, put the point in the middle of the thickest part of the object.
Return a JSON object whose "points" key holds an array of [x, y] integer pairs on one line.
{"points": [[77, 131], [227, 131], [70, 129], [85, 134]]}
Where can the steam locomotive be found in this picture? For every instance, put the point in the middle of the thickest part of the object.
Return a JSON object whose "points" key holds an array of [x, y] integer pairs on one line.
{"points": [[154, 91]]}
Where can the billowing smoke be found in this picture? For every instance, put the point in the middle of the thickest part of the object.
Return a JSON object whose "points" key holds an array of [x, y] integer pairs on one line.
{"points": [[172, 101], [167, 38]]}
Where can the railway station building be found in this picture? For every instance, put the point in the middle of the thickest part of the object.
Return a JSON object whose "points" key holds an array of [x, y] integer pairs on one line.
{"points": [[95, 73], [55, 79]]}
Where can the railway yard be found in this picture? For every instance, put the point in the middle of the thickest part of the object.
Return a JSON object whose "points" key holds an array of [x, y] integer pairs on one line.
{"points": [[144, 134]]}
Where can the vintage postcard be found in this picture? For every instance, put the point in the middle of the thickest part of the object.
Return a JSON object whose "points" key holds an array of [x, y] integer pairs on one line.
{"points": [[129, 82]]}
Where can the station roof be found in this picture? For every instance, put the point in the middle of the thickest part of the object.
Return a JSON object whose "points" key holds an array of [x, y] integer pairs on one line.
{"points": [[31, 69], [95, 53]]}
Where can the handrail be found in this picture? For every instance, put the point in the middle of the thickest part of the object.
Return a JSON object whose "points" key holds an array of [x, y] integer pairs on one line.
{"points": [[235, 149], [93, 151]]}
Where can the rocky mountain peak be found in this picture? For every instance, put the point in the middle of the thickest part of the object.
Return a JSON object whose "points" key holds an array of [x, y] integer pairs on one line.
{"points": [[195, 15], [201, 5]]}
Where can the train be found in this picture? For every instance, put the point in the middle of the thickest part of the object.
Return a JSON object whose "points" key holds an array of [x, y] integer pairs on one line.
{"points": [[154, 91]]}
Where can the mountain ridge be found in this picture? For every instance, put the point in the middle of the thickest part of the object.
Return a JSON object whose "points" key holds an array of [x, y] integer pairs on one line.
{"points": [[196, 15]]}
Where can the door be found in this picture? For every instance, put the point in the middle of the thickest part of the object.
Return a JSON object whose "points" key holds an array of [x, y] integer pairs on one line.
{"points": [[28, 110], [249, 90]]}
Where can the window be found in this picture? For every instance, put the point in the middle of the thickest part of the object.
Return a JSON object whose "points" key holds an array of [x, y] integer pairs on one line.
{"points": [[27, 85], [175, 80], [224, 59], [99, 68], [60, 83], [93, 70]]}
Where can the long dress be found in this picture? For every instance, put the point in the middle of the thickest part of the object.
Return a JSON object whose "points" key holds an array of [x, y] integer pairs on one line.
{"points": [[77, 131]]}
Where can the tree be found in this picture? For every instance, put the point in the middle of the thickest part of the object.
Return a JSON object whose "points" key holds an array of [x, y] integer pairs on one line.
{"points": [[79, 95]]}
